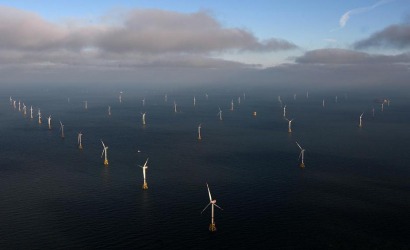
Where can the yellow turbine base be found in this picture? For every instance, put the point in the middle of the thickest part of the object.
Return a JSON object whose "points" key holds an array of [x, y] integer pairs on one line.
{"points": [[302, 165], [80, 147], [290, 131], [106, 162], [145, 186], [212, 227]]}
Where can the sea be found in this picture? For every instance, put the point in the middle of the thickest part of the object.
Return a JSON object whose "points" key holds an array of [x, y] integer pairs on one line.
{"points": [[353, 193]]}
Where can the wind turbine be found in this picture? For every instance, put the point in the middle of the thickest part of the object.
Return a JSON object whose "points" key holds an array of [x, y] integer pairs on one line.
{"points": [[144, 169], [307, 94], [212, 226], [284, 111], [11, 101], [323, 103], [120, 97], [31, 111], [109, 110], [79, 137], [232, 105], [336, 99], [49, 121], [24, 109], [220, 114], [104, 152], [143, 102], [86, 104], [39, 116], [143, 118], [194, 101], [199, 132], [19, 106], [239, 100], [301, 155], [289, 125], [14, 104], [62, 129], [382, 106], [360, 120], [175, 107]]}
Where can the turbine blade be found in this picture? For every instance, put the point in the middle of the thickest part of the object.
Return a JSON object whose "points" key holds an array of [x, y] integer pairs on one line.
{"points": [[299, 145], [206, 207], [209, 192], [218, 206]]}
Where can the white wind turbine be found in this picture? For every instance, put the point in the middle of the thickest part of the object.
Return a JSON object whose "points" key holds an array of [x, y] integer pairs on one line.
{"points": [[194, 101], [143, 118], [301, 155], [360, 120], [31, 111], [289, 124], [14, 103], [49, 121], [232, 105], [62, 129], [19, 106], [144, 169], [120, 97], [39, 116], [24, 109], [109, 110], [104, 152], [212, 226], [382, 106], [323, 103], [143, 102], [79, 139], [220, 114], [175, 107], [85, 104], [239, 100], [199, 132], [307, 94]]}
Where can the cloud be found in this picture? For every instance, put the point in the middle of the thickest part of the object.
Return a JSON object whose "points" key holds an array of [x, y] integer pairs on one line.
{"points": [[394, 36], [349, 57], [346, 16], [134, 38]]}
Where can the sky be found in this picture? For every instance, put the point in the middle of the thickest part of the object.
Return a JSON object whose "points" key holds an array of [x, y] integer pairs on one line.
{"points": [[73, 40]]}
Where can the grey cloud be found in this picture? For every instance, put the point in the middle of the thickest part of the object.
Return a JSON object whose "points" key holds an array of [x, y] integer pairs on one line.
{"points": [[342, 56], [394, 36], [142, 31], [157, 31]]}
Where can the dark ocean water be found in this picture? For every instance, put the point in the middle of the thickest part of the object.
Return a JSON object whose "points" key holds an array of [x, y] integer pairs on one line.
{"points": [[353, 193]]}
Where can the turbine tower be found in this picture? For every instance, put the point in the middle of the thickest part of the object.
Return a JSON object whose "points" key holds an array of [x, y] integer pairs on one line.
{"points": [[109, 110], [49, 121], [143, 118], [284, 111], [39, 116], [144, 169], [62, 129], [360, 120], [79, 137], [301, 155], [199, 132], [104, 152], [175, 107], [289, 124], [194, 101], [232, 105], [85, 104], [212, 226]]}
